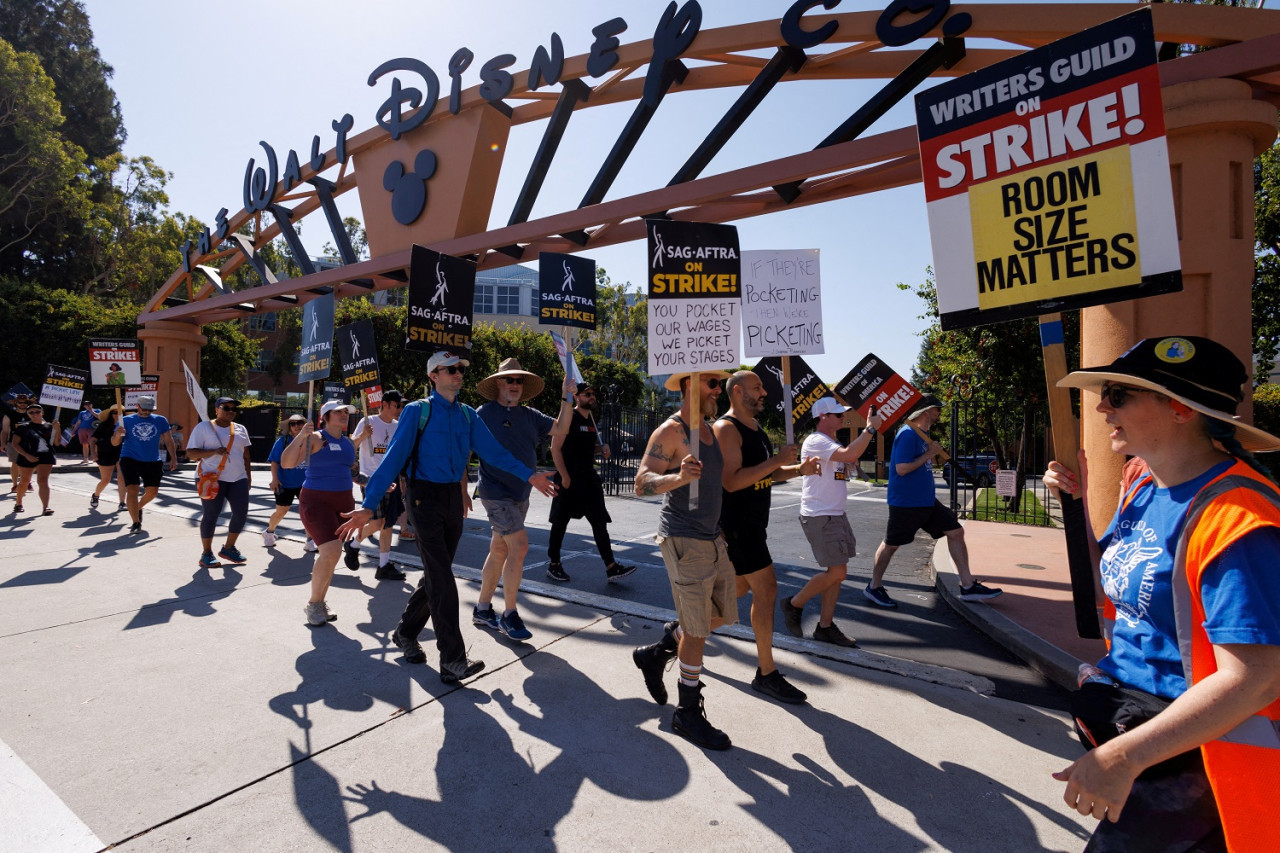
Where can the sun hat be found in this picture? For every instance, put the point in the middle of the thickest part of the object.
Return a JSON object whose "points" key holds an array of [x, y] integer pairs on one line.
{"points": [[1200, 373], [928, 401], [674, 380], [533, 384]]}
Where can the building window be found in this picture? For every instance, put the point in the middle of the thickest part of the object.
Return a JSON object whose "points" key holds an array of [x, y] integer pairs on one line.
{"points": [[264, 359], [263, 322], [507, 299], [484, 299]]}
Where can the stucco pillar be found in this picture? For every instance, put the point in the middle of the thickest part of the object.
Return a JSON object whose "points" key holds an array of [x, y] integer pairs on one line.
{"points": [[165, 346], [1215, 130]]}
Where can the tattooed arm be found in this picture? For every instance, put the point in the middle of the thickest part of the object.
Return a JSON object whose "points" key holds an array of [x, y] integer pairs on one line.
{"points": [[668, 449]]}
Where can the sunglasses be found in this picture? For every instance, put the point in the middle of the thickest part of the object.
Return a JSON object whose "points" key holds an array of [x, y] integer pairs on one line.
{"points": [[591, 394], [513, 380], [229, 408], [293, 424], [452, 370], [1117, 395], [712, 382]]}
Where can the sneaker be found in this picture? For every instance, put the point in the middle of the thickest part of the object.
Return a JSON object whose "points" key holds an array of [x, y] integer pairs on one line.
{"points": [[269, 538], [556, 572], [136, 527], [617, 571], [122, 508], [93, 502], [18, 508], [208, 561], [512, 626], [978, 592], [318, 614], [351, 557], [486, 618], [792, 617], [455, 671], [389, 572], [309, 546], [232, 555], [776, 687], [878, 596], [412, 649], [833, 635], [690, 721], [652, 661]]}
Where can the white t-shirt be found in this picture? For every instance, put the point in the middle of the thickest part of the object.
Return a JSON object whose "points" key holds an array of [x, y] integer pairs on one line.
{"points": [[372, 451], [824, 493], [207, 435]]}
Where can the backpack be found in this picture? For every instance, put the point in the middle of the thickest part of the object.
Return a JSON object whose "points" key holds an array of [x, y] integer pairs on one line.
{"points": [[424, 415]]}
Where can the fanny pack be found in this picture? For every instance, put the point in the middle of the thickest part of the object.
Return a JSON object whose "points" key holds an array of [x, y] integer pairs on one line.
{"points": [[207, 483], [1105, 711]]}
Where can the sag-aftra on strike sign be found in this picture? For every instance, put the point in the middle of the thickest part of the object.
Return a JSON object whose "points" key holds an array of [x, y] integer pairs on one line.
{"points": [[1047, 178]]}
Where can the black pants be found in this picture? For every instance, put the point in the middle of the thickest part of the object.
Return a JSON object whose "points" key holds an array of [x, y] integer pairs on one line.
{"points": [[436, 510], [599, 529], [235, 493]]}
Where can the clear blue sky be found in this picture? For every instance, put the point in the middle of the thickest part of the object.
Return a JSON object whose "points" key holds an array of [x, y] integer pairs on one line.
{"points": [[201, 85]]}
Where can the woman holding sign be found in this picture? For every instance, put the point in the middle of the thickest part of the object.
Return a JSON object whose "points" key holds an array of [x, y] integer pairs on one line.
{"points": [[1182, 716], [33, 442], [108, 455]]}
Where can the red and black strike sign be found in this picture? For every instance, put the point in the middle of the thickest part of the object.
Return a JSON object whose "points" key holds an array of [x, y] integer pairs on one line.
{"points": [[873, 383]]}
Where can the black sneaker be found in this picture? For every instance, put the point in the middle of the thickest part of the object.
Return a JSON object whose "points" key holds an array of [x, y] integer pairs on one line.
{"points": [[652, 661], [93, 502], [776, 687], [878, 596], [136, 527], [617, 571], [690, 721], [351, 557], [556, 572], [389, 572], [833, 635], [977, 592], [412, 649], [452, 673], [122, 508], [792, 617]]}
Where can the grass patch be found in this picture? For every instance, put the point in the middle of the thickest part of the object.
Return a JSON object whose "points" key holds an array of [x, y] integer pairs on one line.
{"points": [[987, 506]]}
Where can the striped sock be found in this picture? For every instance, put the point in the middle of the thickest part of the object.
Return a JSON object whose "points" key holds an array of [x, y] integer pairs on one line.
{"points": [[677, 634], [690, 673]]}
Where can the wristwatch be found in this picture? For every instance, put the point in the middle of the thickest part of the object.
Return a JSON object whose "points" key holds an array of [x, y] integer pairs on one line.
{"points": [[870, 429]]}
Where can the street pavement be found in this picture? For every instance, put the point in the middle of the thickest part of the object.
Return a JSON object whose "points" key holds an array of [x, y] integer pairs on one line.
{"points": [[149, 704]]}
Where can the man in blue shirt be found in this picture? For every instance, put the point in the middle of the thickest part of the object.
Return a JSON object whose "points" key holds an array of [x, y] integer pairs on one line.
{"points": [[913, 506], [138, 436], [435, 463], [506, 497]]}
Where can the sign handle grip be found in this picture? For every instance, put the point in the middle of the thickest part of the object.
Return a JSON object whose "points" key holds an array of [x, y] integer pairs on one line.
{"points": [[943, 456], [788, 404], [1066, 444], [311, 396]]}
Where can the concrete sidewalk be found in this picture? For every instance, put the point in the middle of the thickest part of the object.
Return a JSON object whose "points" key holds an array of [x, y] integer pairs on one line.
{"points": [[151, 705]]}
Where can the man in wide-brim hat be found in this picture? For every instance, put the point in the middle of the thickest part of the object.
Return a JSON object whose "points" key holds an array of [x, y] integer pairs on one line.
{"points": [[520, 429]]}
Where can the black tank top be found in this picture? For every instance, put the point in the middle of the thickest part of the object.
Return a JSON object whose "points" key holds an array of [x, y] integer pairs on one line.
{"points": [[750, 505]]}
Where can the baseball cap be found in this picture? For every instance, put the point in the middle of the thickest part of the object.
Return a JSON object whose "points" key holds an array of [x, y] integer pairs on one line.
{"points": [[147, 402], [334, 405], [392, 396], [224, 400], [827, 406], [445, 359]]}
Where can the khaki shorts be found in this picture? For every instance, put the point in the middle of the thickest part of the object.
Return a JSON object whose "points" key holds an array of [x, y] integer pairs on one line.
{"points": [[831, 539], [703, 584], [506, 517]]}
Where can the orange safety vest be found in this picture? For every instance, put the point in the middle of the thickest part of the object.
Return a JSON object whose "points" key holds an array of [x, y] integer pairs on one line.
{"points": [[1243, 765]]}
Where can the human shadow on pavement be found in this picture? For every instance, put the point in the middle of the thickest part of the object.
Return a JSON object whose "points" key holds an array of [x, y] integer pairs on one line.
{"points": [[68, 570], [194, 598]]}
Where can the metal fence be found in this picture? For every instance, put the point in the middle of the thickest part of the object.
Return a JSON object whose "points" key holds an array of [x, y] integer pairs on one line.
{"points": [[626, 431], [985, 438]]}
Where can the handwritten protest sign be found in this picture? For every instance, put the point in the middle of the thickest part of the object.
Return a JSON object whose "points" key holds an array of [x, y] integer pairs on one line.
{"points": [[695, 292], [115, 363], [566, 290], [315, 357], [1047, 179], [781, 303], [442, 291], [63, 387]]}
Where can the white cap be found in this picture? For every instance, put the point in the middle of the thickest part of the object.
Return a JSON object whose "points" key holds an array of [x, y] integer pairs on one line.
{"points": [[334, 405], [827, 406], [445, 359]]}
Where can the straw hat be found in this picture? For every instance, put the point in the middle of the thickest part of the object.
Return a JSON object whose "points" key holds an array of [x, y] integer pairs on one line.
{"points": [[1200, 373], [488, 387], [674, 380]]}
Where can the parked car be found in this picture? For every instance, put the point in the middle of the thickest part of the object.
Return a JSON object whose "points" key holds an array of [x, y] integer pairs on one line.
{"points": [[978, 469]]}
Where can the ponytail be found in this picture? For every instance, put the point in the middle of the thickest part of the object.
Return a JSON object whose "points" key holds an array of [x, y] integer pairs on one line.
{"points": [[1225, 434]]}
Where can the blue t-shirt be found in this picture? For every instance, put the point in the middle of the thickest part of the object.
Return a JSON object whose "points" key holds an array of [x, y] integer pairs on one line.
{"points": [[329, 468], [518, 429], [86, 419], [290, 478], [1240, 589], [142, 437], [914, 489]]}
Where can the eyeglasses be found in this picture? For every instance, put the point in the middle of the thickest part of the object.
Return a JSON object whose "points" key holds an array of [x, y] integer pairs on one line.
{"points": [[450, 369], [1117, 395], [513, 380], [712, 382]]}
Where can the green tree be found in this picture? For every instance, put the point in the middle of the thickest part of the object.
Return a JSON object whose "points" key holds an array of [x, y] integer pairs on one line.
{"points": [[227, 357], [622, 322]]}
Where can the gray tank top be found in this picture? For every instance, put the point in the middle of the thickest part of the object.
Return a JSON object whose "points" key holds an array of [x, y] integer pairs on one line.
{"points": [[675, 518]]}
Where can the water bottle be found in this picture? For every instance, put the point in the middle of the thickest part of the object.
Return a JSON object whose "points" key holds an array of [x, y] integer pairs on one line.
{"points": [[1088, 673]]}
